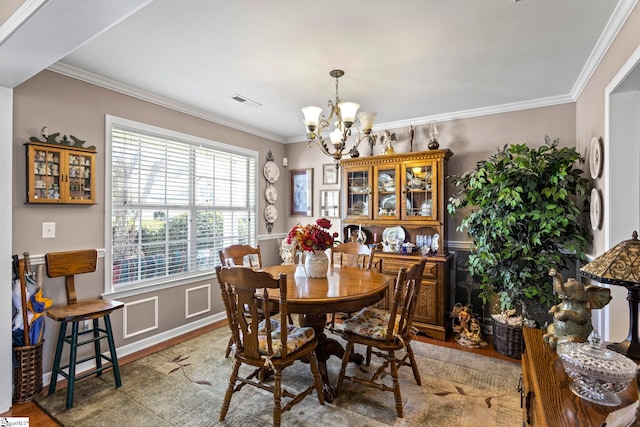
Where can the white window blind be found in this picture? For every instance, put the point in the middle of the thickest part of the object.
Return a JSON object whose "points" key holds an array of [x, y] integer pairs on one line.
{"points": [[175, 203]]}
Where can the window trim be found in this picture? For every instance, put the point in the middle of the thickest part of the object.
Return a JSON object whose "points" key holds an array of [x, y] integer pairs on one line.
{"points": [[164, 282]]}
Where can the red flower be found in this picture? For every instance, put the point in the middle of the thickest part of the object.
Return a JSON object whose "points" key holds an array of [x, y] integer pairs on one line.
{"points": [[312, 237]]}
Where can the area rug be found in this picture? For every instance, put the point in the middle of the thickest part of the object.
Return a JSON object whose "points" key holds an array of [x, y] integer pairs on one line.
{"points": [[184, 385]]}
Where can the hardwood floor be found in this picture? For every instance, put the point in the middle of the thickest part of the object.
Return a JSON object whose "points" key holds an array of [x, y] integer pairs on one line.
{"points": [[38, 418]]}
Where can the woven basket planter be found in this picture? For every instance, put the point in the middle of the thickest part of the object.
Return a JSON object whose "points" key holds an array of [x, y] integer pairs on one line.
{"points": [[508, 340], [27, 375]]}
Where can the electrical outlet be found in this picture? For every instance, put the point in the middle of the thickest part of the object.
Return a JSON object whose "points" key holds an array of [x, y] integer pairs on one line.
{"points": [[86, 325]]}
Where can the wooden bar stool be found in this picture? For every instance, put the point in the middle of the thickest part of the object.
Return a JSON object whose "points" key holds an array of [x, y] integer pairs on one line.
{"points": [[68, 264]]}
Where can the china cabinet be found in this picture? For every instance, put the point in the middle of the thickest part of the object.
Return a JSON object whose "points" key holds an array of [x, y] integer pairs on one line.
{"points": [[60, 175], [398, 199]]}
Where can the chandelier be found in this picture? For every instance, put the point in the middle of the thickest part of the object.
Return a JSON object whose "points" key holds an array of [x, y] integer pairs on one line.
{"points": [[345, 114]]}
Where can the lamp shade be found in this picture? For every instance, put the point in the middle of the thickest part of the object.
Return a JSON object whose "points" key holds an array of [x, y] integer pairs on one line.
{"points": [[348, 111], [620, 265], [311, 115], [366, 119]]}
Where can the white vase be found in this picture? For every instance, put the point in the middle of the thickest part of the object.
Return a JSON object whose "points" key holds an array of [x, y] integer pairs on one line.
{"points": [[316, 264]]}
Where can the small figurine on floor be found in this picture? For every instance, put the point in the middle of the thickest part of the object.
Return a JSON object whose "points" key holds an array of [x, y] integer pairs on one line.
{"points": [[468, 327]]}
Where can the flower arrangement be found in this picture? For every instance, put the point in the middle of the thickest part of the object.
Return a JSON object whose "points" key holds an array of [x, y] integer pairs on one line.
{"points": [[312, 237]]}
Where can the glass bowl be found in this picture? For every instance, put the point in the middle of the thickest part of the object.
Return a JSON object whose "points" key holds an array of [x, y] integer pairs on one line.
{"points": [[597, 372]]}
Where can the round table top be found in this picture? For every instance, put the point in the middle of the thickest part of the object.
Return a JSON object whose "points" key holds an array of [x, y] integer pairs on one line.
{"points": [[345, 289]]}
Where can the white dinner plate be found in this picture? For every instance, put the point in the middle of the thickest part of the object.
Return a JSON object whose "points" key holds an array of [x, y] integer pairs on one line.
{"points": [[393, 234]]}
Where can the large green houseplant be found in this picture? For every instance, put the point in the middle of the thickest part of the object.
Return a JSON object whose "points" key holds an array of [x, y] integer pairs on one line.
{"points": [[523, 209]]}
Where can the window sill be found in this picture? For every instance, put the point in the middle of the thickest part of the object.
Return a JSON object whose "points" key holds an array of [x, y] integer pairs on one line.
{"points": [[155, 286]]}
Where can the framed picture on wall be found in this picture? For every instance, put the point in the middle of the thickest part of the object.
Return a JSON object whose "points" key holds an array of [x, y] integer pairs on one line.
{"points": [[329, 173], [330, 203], [302, 192]]}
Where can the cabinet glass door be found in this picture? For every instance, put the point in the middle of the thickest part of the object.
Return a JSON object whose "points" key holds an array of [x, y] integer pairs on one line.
{"points": [[358, 194], [421, 195], [80, 170], [388, 196], [46, 174]]}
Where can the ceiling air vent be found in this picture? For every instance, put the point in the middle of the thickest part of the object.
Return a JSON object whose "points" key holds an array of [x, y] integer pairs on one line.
{"points": [[245, 101]]}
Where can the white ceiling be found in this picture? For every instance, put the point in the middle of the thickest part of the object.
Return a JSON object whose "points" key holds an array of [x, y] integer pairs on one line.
{"points": [[411, 61]]}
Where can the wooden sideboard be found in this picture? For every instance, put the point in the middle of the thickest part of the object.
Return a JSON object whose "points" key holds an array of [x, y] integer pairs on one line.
{"points": [[546, 397]]}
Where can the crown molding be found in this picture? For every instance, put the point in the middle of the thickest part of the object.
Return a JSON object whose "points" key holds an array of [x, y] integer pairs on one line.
{"points": [[611, 30], [15, 21], [463, 114], [85, 76]]}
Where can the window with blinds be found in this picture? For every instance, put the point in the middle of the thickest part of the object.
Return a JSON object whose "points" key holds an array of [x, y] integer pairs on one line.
{"points": [[176, 201]]}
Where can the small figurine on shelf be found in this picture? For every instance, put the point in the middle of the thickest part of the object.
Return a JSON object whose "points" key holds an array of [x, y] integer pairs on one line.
{"points": [[467, 326], [386, 140]]}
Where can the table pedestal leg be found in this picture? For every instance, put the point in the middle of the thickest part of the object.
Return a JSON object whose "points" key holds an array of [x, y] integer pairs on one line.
{"points": [[326, 348]]}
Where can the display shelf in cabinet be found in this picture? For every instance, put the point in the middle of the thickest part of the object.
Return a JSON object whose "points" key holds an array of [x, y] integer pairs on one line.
{"points": [[433, 300], [59, 175], [400, 187]]}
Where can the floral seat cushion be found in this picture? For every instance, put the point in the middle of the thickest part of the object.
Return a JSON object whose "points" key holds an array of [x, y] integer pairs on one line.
{"points": [[296, 338], [371, 323]]}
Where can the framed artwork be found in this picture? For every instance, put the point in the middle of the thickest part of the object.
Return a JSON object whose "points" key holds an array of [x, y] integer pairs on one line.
{"points": [[329, 173], [302, 192], [330, 203]]}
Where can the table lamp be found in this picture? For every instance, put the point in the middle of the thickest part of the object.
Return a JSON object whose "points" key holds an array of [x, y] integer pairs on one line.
{"points": [[620, 266]]}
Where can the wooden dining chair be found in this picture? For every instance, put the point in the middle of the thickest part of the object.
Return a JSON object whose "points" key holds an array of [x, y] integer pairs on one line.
{"points": [[352, 254], [387, 332], [244, 255], [67, 265], [266, 343]]}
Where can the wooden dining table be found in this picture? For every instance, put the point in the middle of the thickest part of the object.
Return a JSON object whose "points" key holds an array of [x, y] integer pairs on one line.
{"points": [[345, 289]]}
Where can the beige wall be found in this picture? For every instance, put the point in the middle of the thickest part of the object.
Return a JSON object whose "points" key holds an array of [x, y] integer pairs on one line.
{"points": [[73, 107], [590, 122], [470, 140]]}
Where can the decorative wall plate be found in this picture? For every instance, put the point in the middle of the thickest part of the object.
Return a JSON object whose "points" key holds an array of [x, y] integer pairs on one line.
{"points": [[595, 209], [595, 157], [271, 171], [270, 213], [271, 194]]}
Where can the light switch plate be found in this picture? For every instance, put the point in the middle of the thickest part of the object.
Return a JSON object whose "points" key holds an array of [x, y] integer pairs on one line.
{"points": [[48, 230]]}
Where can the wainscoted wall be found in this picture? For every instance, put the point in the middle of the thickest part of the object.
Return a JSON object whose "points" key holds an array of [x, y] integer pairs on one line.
{"points": [[139, 317], [197, 301]]}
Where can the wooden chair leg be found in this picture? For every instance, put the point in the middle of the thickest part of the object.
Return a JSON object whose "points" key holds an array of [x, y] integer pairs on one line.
{"points": [[229, 347], [313, 364], [396, 383], [229, 393], [345, 360], [56, 359], [277, 397], [414, 365]]}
